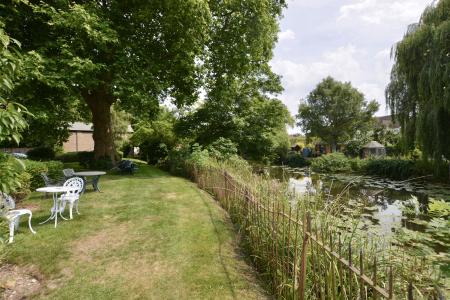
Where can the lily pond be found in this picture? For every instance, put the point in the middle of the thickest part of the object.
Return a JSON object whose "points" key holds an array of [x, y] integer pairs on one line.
{"points": [[414, 212]]}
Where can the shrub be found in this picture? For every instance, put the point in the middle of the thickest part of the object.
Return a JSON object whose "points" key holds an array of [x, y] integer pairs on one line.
{"points": [[334, 162], [35, 168], [176, 158], [295, 160], [85, 158], [68, 157], [41, 153], [222, 149], [394, 168], [24, 190]]}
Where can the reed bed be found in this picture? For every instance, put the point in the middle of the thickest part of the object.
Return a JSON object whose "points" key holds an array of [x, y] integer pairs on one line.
{"points": [[304, 247]]}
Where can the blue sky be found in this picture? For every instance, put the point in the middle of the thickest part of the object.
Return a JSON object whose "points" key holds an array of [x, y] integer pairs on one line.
{"points": [[347, 39]]}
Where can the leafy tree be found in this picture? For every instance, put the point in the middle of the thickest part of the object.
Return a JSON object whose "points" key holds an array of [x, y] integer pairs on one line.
{"points": [[334, 111], [240, 87], [257, 127], [419, 93], [354, 146], [92, 54], [12, 120], [155, 138]]}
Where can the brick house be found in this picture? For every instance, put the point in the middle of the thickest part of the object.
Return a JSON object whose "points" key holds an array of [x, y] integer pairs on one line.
{"points": [[80, 138]]}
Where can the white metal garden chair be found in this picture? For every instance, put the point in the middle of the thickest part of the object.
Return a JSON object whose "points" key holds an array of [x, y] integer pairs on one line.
{"points": [[12, 215], [73, 196]]}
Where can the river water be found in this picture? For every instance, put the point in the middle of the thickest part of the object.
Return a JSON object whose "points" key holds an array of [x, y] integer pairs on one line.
{"points": [[386, 204]]}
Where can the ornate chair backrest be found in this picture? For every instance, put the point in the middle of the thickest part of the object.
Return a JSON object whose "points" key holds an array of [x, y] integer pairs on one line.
{"points": [[6, 203], [68, 172], [46, 179], [76, 183]]}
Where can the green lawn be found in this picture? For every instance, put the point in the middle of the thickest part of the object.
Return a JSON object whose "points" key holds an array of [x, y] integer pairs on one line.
{"points": [[147, 236]]}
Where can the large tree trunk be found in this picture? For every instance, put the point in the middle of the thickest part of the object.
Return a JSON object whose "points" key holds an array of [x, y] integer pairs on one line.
{"points": [[100, 103]]}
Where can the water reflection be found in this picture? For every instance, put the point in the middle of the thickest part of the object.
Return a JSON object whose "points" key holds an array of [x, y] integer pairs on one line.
{"points": [[382, 199]]}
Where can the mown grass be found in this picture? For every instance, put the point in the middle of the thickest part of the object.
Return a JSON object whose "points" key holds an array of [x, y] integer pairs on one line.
{"points": [[147, 236]]}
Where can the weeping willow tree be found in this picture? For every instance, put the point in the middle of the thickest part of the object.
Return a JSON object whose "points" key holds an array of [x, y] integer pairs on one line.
{"points": [[419, 92]]}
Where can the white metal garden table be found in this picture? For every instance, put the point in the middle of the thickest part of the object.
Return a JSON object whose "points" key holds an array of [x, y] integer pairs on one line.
{"points": [[55, 190], [96, 177]]}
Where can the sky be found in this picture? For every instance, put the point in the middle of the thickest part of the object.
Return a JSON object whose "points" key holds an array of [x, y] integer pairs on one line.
{"points": [[350, 40]]}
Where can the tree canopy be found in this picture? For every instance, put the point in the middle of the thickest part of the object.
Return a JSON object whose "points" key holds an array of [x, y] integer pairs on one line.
{"points": [[89, 55], [419, 93], [92, 54], [334, 111]]}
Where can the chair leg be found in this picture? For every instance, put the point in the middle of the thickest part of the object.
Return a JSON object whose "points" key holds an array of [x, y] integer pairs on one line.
{"points": [[16, 222], [11, 231], [76, 207], [70, 210], [29, 223]]}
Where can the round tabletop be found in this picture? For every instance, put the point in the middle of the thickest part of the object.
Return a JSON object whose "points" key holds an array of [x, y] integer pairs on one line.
{"points": [[89, 173], [54, 189]]}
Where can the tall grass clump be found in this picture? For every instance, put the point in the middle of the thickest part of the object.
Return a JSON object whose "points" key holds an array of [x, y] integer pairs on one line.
{"points": [[310, 246]]}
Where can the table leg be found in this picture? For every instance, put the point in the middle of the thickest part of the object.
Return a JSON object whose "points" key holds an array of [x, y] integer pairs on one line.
{"points": [[95, 181], [85, 184], [55, 200], [54, 210]]}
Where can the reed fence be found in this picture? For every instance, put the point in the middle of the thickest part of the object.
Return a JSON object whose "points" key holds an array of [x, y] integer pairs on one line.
{"points": [[300, 255]]}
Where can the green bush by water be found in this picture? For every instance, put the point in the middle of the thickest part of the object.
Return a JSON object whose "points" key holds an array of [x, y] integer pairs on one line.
{"points": [[295, 160], [390, 167], [334, 162]]}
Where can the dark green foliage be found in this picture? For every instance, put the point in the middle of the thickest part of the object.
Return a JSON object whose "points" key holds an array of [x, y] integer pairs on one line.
{"points": [[24, 190], [222, 149], [155, 138], [391, 168], [12, 115], [41, 153], [334, 111], [176, 159], [295, 160], [87, 160], [35, 168], [419, 93], [83, 157], [333, 162]]}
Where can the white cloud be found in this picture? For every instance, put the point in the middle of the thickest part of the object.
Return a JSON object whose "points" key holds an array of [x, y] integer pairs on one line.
{"points": [[343, 64], [383, 11], [286, 35]]}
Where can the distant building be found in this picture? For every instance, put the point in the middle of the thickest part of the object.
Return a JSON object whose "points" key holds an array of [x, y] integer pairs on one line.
{"points": [[80, 138], [373, 148], [387, 122]]}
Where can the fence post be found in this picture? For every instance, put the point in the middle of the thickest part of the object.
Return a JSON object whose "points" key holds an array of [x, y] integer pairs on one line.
{"points": [[410, 291], [306, 231]]}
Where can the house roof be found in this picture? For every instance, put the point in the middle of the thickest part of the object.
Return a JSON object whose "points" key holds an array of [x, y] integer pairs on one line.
{"points": [[373, 144], [87, 127]]}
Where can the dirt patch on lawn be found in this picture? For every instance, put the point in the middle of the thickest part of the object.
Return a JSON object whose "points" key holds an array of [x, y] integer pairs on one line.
{"points": [[170, 196], [31, 206], [114, 237], [142, 273], [19, 282]]}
